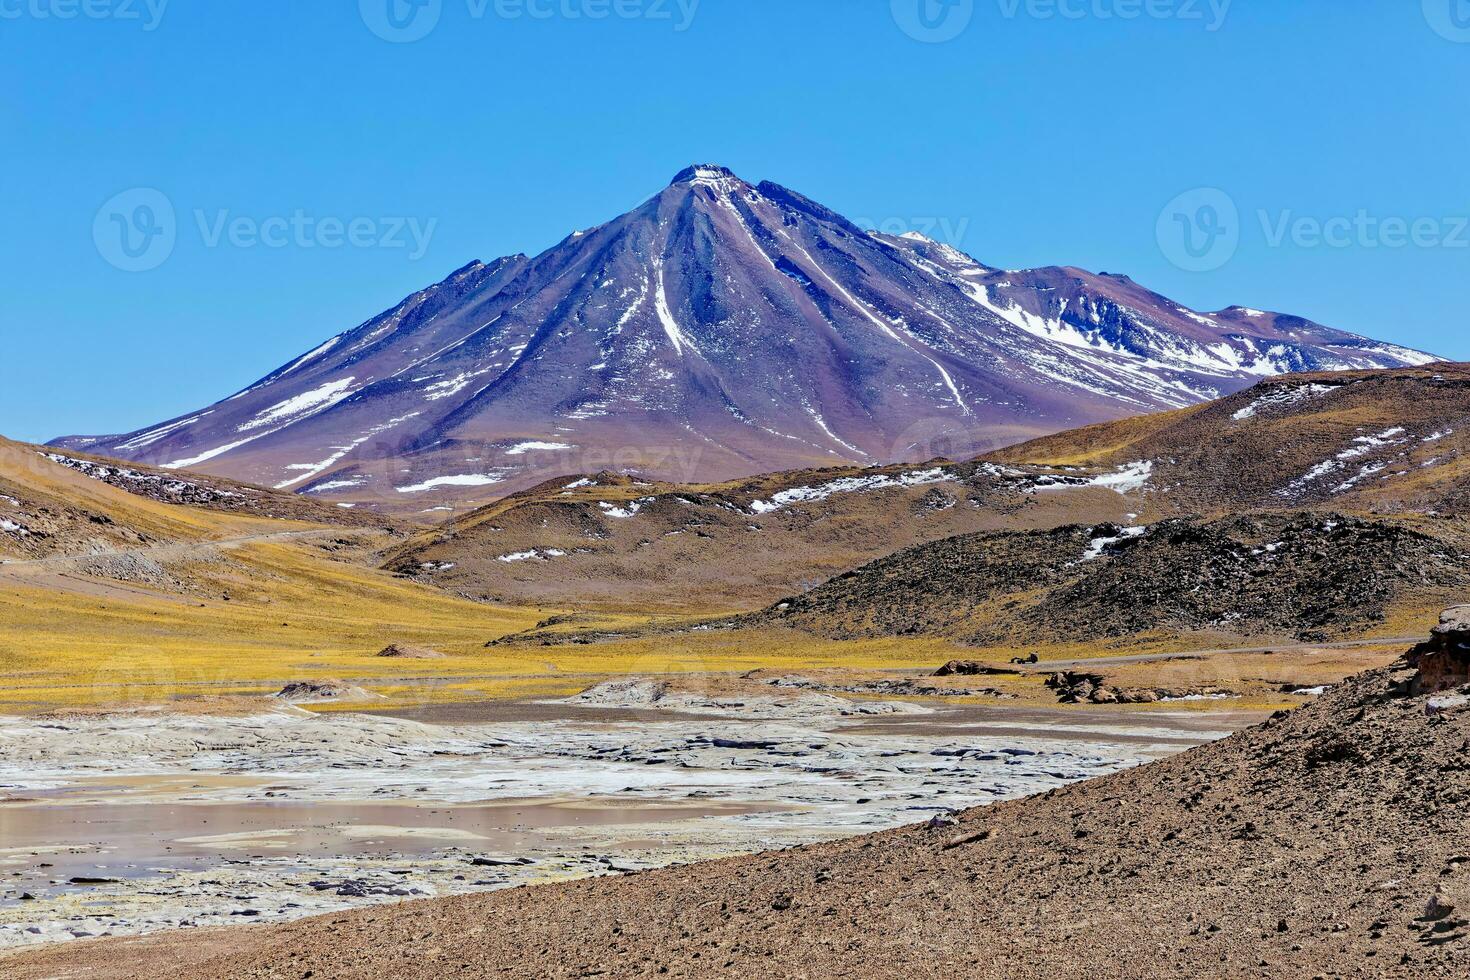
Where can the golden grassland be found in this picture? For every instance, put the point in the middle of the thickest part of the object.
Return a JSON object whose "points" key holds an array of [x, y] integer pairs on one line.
{"points": [[293, 613]]}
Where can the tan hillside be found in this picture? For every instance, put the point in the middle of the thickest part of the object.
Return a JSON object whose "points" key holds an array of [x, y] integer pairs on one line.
{"points": [[612, 542], [125, 585], [67, 503], [1395, 440]]}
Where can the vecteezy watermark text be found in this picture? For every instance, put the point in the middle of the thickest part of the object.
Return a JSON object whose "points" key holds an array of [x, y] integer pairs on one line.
{"points": [[949, 231], [1210, 14], [937, 21], [137, 230], [147, 13], [1364, 230], [405, 21], [302, 230]]}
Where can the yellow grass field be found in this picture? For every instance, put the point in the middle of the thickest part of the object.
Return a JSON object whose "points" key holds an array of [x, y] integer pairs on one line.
{"points": [[294, 612], [293, 615]]}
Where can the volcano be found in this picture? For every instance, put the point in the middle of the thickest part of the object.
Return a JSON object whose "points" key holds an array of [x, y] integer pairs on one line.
{"points": [[722, 329]]}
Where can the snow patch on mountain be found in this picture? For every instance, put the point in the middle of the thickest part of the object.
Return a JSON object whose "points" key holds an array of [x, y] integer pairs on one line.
{"points": [[1282, 398], [850, 484], [531, 555], [154, 435], [459, 480], [1389, 438], [312, 355], [521, 448], [1128, 479], [310, 470], [317, 399], [1098, 545], [627, 510]]}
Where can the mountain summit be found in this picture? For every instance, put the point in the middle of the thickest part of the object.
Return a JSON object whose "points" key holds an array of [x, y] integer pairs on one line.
{"points": [[721, 329]]}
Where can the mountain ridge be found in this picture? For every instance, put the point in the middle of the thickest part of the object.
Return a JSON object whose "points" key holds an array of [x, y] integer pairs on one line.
{"points": [[719, 330]]}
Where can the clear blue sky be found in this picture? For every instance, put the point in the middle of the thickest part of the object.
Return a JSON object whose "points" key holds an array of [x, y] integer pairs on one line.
{"points": [[1032, 137]]}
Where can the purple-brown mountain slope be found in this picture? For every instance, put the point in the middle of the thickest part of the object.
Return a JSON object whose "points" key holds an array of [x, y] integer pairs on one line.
{"points": [[722, 329]]}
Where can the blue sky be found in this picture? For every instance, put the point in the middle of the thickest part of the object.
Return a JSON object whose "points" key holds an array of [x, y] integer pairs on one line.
{"points": [[1043, 132]]}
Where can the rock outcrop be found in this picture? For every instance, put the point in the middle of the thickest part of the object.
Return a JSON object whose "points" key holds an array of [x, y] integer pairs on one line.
{"points": [[324, 689], [1443, 661], [401, 651], [1077, 688]]}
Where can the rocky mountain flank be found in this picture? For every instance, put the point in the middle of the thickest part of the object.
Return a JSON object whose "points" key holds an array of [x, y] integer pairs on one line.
{"points": [[1327, 842]]}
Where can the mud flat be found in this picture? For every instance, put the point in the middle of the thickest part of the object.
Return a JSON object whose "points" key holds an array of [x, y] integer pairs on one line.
{"points": [[119, 824]]}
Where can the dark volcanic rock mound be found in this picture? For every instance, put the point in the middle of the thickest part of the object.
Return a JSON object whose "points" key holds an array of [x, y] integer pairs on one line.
{"points": [[1302, 575]]}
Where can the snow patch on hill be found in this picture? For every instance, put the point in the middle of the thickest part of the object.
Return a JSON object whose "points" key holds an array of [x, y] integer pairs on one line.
{"points": [[851, 484]]}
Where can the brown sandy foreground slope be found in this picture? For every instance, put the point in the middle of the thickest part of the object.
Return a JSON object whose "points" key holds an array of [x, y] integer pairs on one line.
{"points": [[1327, 842]]}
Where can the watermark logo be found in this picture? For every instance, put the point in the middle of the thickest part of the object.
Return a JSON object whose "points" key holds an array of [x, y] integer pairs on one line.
{"points": [[405, 21], [136, 230], [933, 21], [1450, 19], [147, 13], [401, 21], [1199, 231]]}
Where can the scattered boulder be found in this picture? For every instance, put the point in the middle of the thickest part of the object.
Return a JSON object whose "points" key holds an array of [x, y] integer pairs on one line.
{"points": [[971, 668], [632, 692], [1438, 907], [1074, 688]]}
